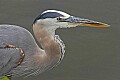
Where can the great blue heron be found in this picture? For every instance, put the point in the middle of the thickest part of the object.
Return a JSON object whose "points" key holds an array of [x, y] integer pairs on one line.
{"points": [[19, 52]]}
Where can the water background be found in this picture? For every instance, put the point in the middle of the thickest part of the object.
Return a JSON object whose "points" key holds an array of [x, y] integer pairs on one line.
{"points": [[91, 53]]}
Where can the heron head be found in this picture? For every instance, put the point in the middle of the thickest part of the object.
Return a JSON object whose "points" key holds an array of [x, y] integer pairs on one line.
{"points": [[53, 19]]}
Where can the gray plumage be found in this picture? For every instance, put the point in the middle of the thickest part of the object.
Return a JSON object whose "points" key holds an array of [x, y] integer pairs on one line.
{"points": [[19, 37], [8, 58]]}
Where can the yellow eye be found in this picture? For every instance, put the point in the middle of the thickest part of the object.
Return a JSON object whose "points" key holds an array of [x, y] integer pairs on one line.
{"points": [[59, 18]]}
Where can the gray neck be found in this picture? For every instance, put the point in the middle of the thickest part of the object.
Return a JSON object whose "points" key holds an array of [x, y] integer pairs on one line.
{"points": [[51, 31], [52, 45]]}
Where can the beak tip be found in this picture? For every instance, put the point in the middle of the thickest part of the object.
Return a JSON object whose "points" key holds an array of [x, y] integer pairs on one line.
{"points": [[105, 25]]}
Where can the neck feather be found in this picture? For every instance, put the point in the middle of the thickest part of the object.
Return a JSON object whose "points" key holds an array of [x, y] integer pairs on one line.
{"points": [[51, 44]]}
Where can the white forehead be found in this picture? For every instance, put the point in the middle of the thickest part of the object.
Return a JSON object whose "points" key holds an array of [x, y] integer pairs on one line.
{"points": [[60, 12]]}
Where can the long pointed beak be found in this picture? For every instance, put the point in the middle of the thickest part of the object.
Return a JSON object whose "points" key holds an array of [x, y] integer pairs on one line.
{"points": [[76, 21]]}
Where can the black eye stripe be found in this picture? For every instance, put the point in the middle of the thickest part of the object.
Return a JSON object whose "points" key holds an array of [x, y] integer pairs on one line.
{"points": [[48, 15]]}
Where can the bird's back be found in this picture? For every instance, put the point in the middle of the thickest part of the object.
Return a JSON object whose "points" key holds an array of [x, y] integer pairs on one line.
{"points": [[17, 36]]}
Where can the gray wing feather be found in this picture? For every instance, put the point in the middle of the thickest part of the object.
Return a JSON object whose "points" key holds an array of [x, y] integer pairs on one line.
{"points": [[20, 38], [8, 59]]}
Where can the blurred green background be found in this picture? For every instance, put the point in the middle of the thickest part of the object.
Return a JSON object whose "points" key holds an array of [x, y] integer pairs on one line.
{"points": [[91, 53]]}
